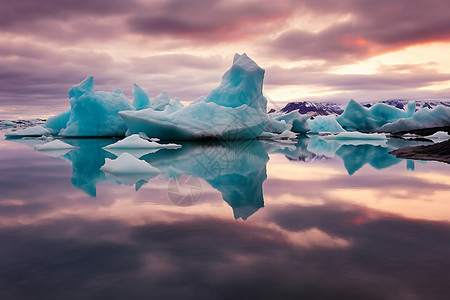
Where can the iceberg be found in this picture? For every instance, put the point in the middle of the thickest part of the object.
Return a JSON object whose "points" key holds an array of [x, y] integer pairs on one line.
{"points": [[29, 131], [293, 121], [325, 124], [234, 110], [160, 103], [134, 141], [241, 85], [424, 118], [54, 145], [92, 113], [358, 118]]}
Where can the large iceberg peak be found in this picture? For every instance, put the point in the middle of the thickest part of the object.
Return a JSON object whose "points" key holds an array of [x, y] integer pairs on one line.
{"points": [[87, 85], [241, 84], [140, 98]]}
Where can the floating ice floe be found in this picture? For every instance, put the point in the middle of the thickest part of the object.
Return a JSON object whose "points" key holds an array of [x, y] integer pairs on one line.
{"points": [[54, 148], [30, 131], [357, 138], [286, 136], [424, 118], [325, 124], [234, 110], [134, 141], [358, 118], [92, 113], [138, 146], [54, 145], [438, 136]]}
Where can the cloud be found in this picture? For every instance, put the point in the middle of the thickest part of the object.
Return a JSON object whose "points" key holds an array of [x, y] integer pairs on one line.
{"points": [[372, 29], [22, 12], [196, 258], [224, 20], [391, 78]]}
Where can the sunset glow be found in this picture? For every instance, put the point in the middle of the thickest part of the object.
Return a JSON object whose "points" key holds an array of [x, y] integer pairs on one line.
{"points": [[310, 50]]}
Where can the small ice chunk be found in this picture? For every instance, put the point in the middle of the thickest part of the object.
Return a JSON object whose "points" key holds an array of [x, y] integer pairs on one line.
{"points": [[438, 136], [128, 164], [292, 121], [356, 136], [325, 124], [6, 123], [30, 131], [286, 136], [54, 145], [134, 141]]}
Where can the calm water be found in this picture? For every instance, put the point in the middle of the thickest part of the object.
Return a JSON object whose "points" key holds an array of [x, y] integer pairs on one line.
{"points": [[242, 220]]}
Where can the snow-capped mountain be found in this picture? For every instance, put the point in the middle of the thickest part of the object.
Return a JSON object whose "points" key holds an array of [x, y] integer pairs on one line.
{"points": [[314, 108], [328, 108]]}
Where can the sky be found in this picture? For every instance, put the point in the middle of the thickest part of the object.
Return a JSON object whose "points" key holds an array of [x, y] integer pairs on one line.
{"points": [[320, 50]]}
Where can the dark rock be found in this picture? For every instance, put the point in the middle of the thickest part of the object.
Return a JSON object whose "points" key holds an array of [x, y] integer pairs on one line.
{"points": [[438, 152]]}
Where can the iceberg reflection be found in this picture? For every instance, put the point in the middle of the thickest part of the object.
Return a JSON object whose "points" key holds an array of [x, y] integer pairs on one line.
{"points": [[237, 169]]}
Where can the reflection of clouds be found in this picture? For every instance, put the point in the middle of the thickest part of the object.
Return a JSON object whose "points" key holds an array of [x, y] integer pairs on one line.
{"points": [[193, 258], [411, 194], [58, 243]]}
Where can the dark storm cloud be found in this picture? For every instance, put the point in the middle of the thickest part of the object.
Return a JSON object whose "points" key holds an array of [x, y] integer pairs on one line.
{"points": [[215, 21], [374, 27], [21, 12], [371, 27]]}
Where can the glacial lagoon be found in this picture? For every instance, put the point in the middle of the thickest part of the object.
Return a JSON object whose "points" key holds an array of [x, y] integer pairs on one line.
{"points": [[248, 219]]}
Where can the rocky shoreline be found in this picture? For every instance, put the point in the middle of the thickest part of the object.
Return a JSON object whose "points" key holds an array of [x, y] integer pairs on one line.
{"points": [[438, 152]]}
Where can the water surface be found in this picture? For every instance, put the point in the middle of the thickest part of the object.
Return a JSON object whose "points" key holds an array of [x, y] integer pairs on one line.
{"points": [[243, 220]]}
